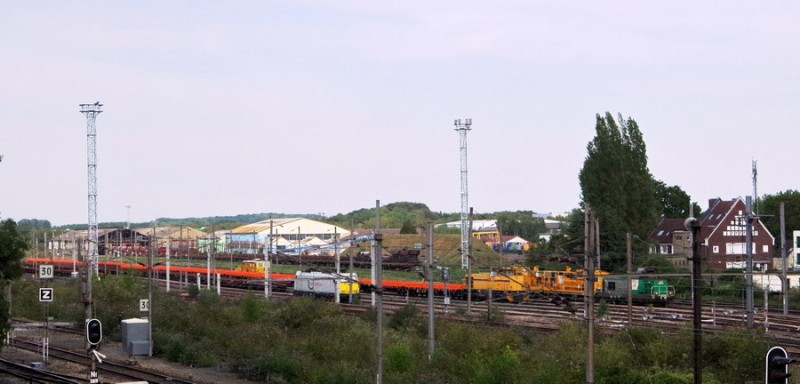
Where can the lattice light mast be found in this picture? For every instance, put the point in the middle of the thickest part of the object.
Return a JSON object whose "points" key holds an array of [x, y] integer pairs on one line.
{"points": [[463, 128], [91, 111]]}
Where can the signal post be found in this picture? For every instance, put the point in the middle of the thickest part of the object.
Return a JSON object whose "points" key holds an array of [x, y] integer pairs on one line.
{"points": [[777, 366], [94, 335], [46, 297]]}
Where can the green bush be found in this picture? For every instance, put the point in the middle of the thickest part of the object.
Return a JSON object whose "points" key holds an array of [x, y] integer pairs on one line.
{"points": [[403, 317], [399, 358]]}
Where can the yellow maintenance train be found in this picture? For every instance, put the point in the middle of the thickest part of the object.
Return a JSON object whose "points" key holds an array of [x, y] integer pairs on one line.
{"points": [[517, 283]]}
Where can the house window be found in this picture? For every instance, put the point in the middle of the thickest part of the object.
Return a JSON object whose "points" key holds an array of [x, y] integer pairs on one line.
{"points": [[735, 248], [716, 249], [665, 249], [765, 249]]}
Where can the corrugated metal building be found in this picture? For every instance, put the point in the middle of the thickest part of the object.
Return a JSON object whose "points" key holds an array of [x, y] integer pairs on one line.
{"points": [[285, 234]]}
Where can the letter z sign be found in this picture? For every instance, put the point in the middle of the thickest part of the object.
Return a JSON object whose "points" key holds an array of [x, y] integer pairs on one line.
{"points": [[46, 294]]}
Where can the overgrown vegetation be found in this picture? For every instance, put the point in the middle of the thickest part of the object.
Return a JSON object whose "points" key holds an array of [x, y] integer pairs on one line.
{"points": [[12, 250], [310, 341]]}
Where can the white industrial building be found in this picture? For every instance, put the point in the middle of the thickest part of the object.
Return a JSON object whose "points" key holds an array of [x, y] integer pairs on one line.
{"points": [[287, 234]]}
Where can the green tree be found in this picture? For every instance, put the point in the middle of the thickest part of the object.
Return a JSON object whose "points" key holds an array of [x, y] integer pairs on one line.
{"points": [[674, 201], [617, 183], [574, 225], [392, 215], [769, 208], [408, 228], [12, 251], [25, 225]]}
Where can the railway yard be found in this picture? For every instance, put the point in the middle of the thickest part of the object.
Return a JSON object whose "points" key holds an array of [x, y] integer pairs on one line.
{"points": [[67, 362], [539, 313]]}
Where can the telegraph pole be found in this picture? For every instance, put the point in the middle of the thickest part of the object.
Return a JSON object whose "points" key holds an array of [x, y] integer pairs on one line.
{"points": [[338, 298], [429, 276], [375, 254], [588, 241], [693, 225], [784, 282], [629, 253], [469, 272], [749, 217], [379, 307], [350, 268]]}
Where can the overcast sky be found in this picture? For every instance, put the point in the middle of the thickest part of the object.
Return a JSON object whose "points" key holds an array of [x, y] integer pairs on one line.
{"points": [[228, 107]]}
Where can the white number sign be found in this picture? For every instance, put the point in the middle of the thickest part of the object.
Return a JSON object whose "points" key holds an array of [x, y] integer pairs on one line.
{"points": [[45, 271]]}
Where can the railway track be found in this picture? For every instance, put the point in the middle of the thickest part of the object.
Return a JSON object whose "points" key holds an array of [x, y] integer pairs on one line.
{"points": [[110, 369], [31, 374]]}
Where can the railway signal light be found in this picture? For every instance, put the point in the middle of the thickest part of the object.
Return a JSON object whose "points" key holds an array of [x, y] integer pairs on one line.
{"points": [[777, 366], [94, 331]]}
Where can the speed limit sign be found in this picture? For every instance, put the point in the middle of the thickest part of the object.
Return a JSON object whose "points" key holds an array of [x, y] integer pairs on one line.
{"points": [[45, 271]]}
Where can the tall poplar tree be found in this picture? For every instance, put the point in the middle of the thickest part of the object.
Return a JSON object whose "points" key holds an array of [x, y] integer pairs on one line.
{"points": [[617, 183]]}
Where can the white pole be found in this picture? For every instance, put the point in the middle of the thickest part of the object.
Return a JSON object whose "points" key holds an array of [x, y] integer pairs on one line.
{"points": [[373, 253], [766, 301], [267, 278], [338, 269], [168, 247]]}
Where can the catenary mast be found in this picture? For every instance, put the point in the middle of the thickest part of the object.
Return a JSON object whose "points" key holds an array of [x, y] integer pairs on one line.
{"points": [[91, 111], [462, 129]]}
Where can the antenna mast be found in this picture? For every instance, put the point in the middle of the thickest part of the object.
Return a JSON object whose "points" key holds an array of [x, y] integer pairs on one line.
{"points": [[91, 111], [755, 188], [462, 129]]}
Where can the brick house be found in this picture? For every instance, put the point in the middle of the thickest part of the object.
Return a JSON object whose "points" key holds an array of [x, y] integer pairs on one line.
{"points": [[722, 238], [672, 241]]}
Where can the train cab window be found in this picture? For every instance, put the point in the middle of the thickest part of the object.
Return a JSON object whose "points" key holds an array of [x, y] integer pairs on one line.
{"points": [[612, 286]]}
